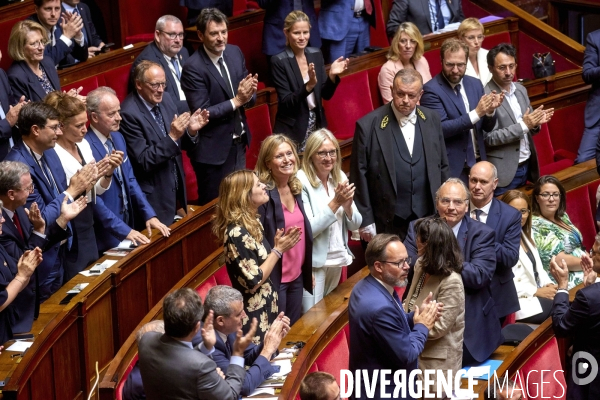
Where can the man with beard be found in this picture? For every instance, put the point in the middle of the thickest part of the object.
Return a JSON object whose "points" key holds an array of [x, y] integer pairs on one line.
{"points": [[382, 335]]}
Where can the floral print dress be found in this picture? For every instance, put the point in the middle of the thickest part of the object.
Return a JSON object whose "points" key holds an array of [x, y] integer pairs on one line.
{"points": [[550, 239], [243, 257]]}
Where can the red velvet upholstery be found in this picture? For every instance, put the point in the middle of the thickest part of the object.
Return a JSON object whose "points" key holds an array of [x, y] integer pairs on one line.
{"points": [[5, 28], [132, 23], [545, 153], [378, 34], [494, 40], [117, 79], [580, 213], [191, 184], [373, 74], [510, 319], [344, 274], [472, 10], [259, 123], [348, 105], [220, 277], [335, 356], [528, 46], [88, 84], [239, 6], [140, 37], [249, 40], [566, 129], [434, 60], [546, 360], [121, 383]]}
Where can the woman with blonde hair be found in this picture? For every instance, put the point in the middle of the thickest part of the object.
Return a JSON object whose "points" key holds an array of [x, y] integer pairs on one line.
{"points": [[470, 32], [249, 258], [301, 81], [328, 202], [406, 51], [277, 166]]}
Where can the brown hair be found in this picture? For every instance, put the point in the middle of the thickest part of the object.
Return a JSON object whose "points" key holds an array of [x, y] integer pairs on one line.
{"points": [[376, 249], [266, 153], [442, 254], [142, 67], [517, 194], [66, 105], [314, 384], [537, 188], [453, 45]]}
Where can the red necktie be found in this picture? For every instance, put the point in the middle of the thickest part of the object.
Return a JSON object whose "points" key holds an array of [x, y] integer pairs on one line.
{"points": [[368, 7], [18, 225]]}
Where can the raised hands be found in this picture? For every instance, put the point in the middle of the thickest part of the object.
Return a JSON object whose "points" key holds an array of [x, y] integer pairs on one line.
{"points": [[28, 263], [560, 272], [344, 195], [82, 180], [279, 328], [243, 341], [589, 275], [198, 120], [35, 217], [488, 103], [246, 89], [209, 336], [285, 242], [538, 117], [429, 312], [185, 121], [13, 112], [312, 78], [68, 211], [72, 25], [337, 67]]}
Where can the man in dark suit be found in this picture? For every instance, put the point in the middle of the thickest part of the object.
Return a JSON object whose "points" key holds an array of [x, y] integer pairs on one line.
{"points": [[344, 29], [92, 40], [382, 335], [168, 51], [591, 76], [67, 45], [195, 6], [398, 159], [482, 325], [215, 78], [25, 229], [9, 112], [428, 15], [172, 369], [124, 200], [506, 222], [227, 305], [464, 109], [155, 137], [510, 146], [580, 321], [273, 41], [38, 125]]}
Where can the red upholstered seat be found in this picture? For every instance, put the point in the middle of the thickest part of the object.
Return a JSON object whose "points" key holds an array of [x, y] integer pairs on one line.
{"points": [[259, 123], [121, 383], [140, 37], [580, 213], [378, 34], [546, 154], [117, 79], [349, 103], [191, 184], [566, 130], [545, 361], [203, 289], [222, 277], [510, 319], [5, 28], [335, 357], [249, 39], [373, 74], [433, 58], [88, 84]]}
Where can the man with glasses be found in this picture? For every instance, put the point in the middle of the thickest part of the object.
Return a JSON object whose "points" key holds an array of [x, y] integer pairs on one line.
{"points": [[464, 109], [382, 335], [168, 51], [482, 326], [509, 145], [156, 135], [398, 160]]}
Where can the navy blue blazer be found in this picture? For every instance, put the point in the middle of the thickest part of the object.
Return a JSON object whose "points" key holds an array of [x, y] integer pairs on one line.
{"points": [[273, 40], [581, 321], [153, 53], [591, 76], [8, 271], [456, 124], [506, 222], [133, 389], [260, 368], [195, 6], [7, 99], [109, 209], [151, 154], [60, 53], [336, 16], [382, 335], [204, 87], [417, 12], [271, 217], [482, 324], [25, 83], [91, 36]]}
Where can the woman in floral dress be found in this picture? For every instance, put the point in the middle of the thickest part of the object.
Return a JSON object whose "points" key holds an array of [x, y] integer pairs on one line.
{"points": [[248, 256], [553, 232]]}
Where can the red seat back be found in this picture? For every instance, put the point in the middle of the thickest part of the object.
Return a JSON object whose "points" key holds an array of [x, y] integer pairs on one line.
{"points": [[121, 383], [378, 34], [5, 28], [435, 62], [544, 361], [138, 38], [191, 183], [580, 213], [205, 286], [348, 104], [88, 84], [222, 277], [566, 127], [335, 357], [259, 123], [373, 74], [249, 39], [545, 153], [117, 79]]}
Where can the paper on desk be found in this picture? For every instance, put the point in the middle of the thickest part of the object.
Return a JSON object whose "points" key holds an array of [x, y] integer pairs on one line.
{"points": [[19, 345], [289, 350], [78, 288], [284, 356], [258, 391], [102, 267], [126, 245], [285, 367]]}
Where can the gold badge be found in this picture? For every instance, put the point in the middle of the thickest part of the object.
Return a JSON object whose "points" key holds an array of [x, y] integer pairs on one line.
{"points": [[384, 122], [423, 117]]}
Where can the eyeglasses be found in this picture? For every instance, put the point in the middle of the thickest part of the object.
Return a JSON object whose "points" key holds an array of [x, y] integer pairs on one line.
{"points": [[457, 202], [157, 85], [524, 211], [330, 153], [546, 196], [473, 37], [29, 188], [36, 44], [173, 35], [55, 128], [398, 264], [455, 65], [288, 155], [503, 68]]}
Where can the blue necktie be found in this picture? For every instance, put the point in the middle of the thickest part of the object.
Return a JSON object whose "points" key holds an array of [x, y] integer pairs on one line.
{"points": [[161, 124], [76, 11], [439, 16], [478, 214], [176, 66], [49, 176], [119, 177]]}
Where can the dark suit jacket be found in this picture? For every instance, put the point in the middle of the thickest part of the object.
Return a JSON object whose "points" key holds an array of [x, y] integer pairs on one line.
{"points": [[591, 76], [91, 36], [195, 6], [260, 368], [439, 96], [8, 271], [482, 324], [372, 165], [273, 41], [109, 207], [335, 18], [151, 154], [60, 52], [506, 222], [271, 217], [153, 53], [133, 389], [292, 110], [382, 335], [204, 87], [171, 370], [417, 12], [7, 99], [581, 321], [25, 83]]}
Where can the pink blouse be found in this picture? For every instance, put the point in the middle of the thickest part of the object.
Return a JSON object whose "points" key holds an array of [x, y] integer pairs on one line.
{"points": [[293, 258], [388, 71]]}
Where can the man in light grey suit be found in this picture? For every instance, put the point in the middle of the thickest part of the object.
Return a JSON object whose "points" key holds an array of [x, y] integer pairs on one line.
{"points": [[172, 369], [509, 146]]}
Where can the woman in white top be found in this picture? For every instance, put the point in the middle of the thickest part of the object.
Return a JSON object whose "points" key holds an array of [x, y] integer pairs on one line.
{"points": [[470, 32], [74, 154], [534, 287], [329, 206]]}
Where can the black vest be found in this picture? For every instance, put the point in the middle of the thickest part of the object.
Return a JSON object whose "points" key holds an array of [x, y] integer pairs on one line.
{"points": [[412, 184]]}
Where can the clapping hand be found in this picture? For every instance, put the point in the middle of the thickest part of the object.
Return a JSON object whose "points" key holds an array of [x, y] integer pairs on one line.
{"points": [[337, 67], [35, 217], [198, 120], [243, 341], [209, 336], [560, 272], [312, 78], [589, 275]]}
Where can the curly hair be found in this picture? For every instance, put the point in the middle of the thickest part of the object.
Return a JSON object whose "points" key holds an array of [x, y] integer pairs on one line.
{"points": [[267, 151], [442, 254]]}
